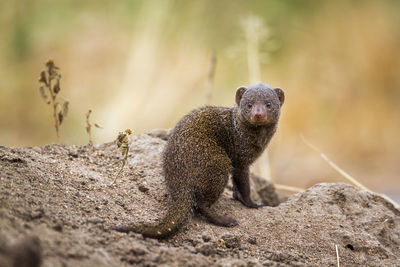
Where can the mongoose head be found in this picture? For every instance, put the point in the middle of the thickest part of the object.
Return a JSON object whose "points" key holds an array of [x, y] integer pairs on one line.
{"points": [[259, 104]]}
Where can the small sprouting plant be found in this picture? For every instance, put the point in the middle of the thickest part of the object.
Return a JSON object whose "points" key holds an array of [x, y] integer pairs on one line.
{"points": [[123, 145], [50, 80], [89, 126]]}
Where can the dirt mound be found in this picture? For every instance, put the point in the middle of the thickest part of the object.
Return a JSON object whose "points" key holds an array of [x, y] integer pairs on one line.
{"points": [[56, 204]]}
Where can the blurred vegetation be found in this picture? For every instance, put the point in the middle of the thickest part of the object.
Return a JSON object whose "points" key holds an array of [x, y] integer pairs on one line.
{"points": [[144, 64]]}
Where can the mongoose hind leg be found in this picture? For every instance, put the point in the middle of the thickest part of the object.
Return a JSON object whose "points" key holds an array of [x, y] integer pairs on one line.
{"points": [[241, 187], [211, 185]]}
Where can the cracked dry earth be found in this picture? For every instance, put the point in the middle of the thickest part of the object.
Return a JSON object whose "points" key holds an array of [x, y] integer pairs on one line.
{"points": [[56, 204]]}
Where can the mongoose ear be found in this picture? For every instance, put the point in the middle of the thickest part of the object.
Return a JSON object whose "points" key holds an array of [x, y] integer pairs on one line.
{"points": [[239, 93], [281, 94]]}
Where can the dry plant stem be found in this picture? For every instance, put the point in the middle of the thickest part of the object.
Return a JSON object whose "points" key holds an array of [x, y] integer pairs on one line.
{"points": [[346, 175], [288, 188], [334, 166], [122, 167], [211, 75], [89, 127], [253, 28], [53, 101], [45, 78], [337, 256], [123, 145]]}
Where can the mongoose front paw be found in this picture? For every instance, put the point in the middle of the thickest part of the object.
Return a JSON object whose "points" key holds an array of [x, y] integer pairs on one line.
{"points": [[236, 195]]}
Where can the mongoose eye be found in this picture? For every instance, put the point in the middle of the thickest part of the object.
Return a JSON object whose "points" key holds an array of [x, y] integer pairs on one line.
{"points": [[268, 104], [249, 105]]}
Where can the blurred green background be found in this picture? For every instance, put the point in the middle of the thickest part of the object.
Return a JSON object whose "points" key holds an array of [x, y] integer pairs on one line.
{"points": [[144, 64]]}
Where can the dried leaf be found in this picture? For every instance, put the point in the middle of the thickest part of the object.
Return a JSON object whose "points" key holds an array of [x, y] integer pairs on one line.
{"points": [[98, 126], [50, 64], [52, 69], [65, 108], [60, 117], [46, 76], [43, 95], [121, 139], [42, 77], [56, 87]]}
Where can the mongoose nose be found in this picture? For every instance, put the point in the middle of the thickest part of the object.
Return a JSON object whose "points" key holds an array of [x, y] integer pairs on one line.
{"points": [[257, 115]]}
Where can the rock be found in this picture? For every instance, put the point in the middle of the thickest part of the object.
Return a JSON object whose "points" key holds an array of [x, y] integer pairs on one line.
{"points": [[95, 220], [207, 249], [37, 214], [25, 253], [266, 191], [231, 240], [195, 240], [45, 197], [138, 249], [206, 236], [58, 227], [143, 188], [231, 263], [252, 240], [162, 134]]}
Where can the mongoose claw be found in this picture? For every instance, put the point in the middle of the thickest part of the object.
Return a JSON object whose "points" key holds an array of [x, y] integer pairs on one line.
{"points": [[232, 223], [255, 205], [236, 195], [251, 204]]}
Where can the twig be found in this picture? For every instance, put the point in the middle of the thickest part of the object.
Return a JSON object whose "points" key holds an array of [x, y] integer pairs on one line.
{"points": [[337, 256]]}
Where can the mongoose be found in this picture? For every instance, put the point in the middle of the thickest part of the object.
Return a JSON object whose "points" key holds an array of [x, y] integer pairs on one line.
{"points": [[208, 145]]}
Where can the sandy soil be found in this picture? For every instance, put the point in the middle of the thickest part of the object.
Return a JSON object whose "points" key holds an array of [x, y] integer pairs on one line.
{"points": [[56, 205]]}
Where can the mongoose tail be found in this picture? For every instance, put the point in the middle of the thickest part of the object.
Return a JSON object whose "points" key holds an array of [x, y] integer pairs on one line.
{"points": [[178, 213]]}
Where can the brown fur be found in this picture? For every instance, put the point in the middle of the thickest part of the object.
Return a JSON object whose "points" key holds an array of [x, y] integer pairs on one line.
{"points": [[208, 145]]}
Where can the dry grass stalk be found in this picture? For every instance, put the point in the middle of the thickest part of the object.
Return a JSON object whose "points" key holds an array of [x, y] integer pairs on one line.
{"points": [[334, 166], [255, 32], [210, 79], [89, 126], [346, 175], [337, 256]]}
